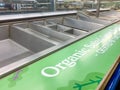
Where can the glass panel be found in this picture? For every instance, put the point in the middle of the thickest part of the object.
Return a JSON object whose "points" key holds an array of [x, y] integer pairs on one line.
{"points": [[29, 6]]}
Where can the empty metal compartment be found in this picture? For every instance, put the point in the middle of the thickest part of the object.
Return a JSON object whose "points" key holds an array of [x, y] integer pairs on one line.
{"points": [[67, 30], [51, 34], [92, 19], [83, 25], [110, 15], [77, 23], [17, 43], [75, 32], [59, 28], [10, 51]]}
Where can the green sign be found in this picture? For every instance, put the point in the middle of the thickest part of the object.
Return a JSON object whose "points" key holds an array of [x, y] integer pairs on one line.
{"points": [[79, 66]]}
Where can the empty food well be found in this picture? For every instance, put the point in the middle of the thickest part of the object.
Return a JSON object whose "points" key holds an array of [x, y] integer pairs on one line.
{"points": [[111, 15], [92, 19], [59, 28], [77, 24], [75, 32], [67, 30], [83, 25], [50, 33], [17, 43]]}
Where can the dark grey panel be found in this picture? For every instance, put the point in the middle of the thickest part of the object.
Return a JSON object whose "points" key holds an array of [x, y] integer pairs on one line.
{"points": [[4, 32]]}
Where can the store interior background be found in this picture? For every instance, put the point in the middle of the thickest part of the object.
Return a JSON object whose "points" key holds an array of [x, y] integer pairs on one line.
{"points": [[30, 6]]}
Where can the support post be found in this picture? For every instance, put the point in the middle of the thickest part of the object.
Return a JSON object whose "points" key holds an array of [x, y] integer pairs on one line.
{"points": [[53, 5], [98, 8]]}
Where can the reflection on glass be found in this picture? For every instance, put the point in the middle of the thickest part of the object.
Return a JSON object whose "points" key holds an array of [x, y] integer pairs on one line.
{"points": [[26, 6]]}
